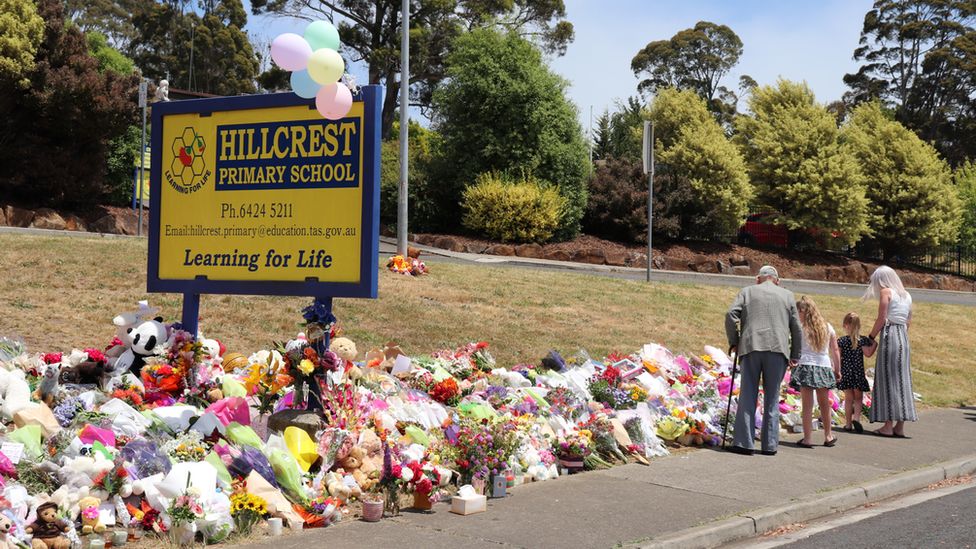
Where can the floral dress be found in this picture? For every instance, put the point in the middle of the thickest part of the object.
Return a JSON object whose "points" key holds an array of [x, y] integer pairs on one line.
{"points": [[852, 364]]}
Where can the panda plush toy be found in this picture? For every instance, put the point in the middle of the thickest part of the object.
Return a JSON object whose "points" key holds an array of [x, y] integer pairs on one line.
{"points": [[142, 339]]}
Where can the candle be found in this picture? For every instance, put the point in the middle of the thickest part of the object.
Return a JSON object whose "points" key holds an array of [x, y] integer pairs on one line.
{"points": [[119, 538], [274, 526]]}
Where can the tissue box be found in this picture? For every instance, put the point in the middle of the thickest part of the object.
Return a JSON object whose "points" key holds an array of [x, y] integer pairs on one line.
{"points": [[469, 505]]}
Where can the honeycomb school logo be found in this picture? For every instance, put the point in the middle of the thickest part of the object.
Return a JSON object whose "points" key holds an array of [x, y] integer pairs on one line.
{"points": [[188, 172]]}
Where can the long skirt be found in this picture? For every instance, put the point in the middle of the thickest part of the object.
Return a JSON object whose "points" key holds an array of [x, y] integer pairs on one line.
{"points": [[893, 399]]}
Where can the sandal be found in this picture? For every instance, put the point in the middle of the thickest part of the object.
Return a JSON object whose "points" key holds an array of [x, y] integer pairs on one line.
{"points": [[830, 443], [885, 435], [896, 435], [847, 429], [858, 428], [802, 444]]}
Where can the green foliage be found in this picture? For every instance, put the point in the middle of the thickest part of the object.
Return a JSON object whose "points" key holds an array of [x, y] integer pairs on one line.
{"points": [[919, 57], [109, 59], [22, 30], [422, 211], [965, 179], [370, 30], [512, 211], [224, 62], [56, 133], [797, 165], [912, 203], [691, 146], [120, 163], [503, 110], [617, 207], [693, 59]]}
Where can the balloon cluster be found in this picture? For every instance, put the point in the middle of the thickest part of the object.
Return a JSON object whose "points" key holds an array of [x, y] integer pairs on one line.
{"points": [[316, 67]]}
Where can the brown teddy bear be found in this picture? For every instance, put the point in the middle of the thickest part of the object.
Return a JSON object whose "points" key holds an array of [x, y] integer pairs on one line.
{"points": [[48, 530], [353, 465]]}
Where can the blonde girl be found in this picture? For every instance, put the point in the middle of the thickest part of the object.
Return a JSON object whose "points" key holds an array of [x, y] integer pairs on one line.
{"points": [[818, 370], [853, 349]]}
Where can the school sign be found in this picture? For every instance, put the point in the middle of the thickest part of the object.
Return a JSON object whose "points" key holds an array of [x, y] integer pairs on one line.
{"points": [[261, 195]]}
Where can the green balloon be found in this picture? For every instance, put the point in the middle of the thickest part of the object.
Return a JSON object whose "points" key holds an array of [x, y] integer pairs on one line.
{"points": [[322, 34]]}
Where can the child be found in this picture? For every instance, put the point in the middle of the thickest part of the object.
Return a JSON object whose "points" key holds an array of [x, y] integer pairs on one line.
{"points": [[853, 348], [818, 370]]}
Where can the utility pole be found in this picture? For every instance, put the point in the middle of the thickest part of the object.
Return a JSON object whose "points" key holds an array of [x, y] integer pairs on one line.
{"points": [[591, 137], [404, 124]]}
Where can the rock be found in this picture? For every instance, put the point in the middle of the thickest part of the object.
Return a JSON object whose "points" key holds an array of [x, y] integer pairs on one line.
{"points": [[738, 260], [500, 249], [660, 263], [594, 256], [857, 272], [533, 251], [3, 216], [74, 223], [46, 218], [475, 248], [449, 243], [835, 274], [310, 422], [742, 270], [557, 255], [723, 267], [809, 273], [114, 224], [424, 239], [701, 264], [618, 258], [19, 217]]}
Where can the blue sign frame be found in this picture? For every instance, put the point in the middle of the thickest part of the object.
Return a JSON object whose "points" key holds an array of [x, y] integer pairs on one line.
{"points": [[371, 96]]}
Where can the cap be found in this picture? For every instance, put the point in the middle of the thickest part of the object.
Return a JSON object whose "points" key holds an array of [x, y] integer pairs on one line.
{"points": [[770, 271]]}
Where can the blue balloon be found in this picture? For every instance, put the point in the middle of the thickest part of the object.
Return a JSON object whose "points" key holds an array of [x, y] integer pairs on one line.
{"points": [[303, 85]]}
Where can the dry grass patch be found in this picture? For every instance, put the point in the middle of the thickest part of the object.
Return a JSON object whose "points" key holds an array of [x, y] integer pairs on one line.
{"points": [[58, 293]]}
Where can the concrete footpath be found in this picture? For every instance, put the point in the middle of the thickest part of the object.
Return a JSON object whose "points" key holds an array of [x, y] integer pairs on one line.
{"points": [[696, 499]]}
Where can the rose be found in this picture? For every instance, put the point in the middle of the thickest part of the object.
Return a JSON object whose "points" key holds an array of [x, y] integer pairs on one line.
{"points": [[306, 367]]}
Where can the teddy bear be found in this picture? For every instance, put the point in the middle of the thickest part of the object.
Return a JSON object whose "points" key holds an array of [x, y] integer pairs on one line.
{"points": [[5, 526], [47, 389], [370, 442], [90, 521], [336, 487], [353, 464], [345, 349], [144, 339], [48, 530]]}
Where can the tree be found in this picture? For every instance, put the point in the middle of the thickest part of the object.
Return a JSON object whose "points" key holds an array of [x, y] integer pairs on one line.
{"points": [[626, 127], [370, 31], [912, 203], [694, 59], [797, 165], [111, 18], [601, 137], [22, 30], [691, 146], [501, 109], [54, 134], [109, 58], [914, 59], [223, 61], [965, 179]]}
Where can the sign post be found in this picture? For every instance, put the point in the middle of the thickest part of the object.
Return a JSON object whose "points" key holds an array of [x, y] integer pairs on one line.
{"points": [[260, 195], [143, 97], [648, 158]]}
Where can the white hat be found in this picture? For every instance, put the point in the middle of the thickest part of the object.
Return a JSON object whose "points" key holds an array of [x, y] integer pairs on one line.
{"points": [[770, 271]]}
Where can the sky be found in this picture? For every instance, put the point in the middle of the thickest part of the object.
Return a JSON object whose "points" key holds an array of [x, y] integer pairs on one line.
{"points": [[793, 39]]}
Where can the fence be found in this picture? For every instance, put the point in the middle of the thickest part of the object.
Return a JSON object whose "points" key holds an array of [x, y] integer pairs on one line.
{"points": [[957, 260]]}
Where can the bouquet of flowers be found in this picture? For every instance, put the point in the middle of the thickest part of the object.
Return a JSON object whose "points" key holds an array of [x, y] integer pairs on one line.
{"points": [[128, 394], [446, 392], [481, 449], [185, 508], [114, 480], [267, 379], [186, 447], [564, 403], [575, 445], [344, 406], [247, 510]]}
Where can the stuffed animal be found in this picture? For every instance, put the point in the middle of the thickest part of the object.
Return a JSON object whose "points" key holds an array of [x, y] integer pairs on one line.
{"points": [[353, 464], [90, 521], [89, 372], [336, 487], [48, 530], [5, 525], [146, 338], [47, 389], [345, 349]]}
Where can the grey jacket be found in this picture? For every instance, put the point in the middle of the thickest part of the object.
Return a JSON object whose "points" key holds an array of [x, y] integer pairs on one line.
{"points": [[764, 318]]}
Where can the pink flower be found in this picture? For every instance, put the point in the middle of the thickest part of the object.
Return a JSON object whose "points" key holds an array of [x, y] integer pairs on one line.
{"points": [[52, 358], [90, 513]]}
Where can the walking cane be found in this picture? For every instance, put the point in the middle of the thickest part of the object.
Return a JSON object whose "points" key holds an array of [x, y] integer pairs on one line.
{"points": [[728, 408]]}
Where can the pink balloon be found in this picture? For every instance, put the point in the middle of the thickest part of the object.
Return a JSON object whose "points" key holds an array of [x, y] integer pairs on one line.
{"points": [[334, 101], [290, 51]]}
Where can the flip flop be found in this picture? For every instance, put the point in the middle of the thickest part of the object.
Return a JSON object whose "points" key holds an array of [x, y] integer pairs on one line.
{"points": [[896, 435], [802, 444], [858, 428], [885, 435], [830, 443]]}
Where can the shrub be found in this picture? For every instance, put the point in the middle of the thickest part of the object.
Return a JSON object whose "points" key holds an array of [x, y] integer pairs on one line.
{"points": [[422, 213], [512, 211]]}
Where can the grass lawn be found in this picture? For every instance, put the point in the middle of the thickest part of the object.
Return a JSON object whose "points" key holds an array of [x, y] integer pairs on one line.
{"points": [[58, 293]]}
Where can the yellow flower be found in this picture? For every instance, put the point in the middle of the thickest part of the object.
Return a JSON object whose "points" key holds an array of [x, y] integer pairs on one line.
{"points": [[306, 367]]}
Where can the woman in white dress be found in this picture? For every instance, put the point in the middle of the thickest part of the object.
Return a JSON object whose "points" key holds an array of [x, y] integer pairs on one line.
{"points": [[893, 400]]}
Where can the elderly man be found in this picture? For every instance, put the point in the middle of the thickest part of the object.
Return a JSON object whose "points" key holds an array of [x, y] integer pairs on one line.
{"points": [[763, 328]]}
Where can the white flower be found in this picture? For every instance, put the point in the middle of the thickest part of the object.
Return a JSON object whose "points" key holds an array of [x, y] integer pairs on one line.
{"points": [[193, 491], [406, 474]]}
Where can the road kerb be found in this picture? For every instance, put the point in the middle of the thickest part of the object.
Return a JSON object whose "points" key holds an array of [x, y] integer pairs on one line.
{"points": [[769, 518]]}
